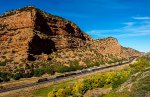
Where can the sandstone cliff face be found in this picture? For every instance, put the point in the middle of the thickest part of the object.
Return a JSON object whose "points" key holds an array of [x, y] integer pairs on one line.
{"points": [[107, 46], [111, 45], [18, 21], [30, 36], [30, 31]]}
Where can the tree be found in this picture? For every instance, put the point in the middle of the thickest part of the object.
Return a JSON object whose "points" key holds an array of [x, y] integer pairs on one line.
{"points": [[61, 93]]}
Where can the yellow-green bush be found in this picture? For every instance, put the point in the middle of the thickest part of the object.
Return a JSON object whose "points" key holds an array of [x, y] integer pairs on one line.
{"points": [[50, 94], [141, 86], [113, 79], [60, 93], [78, 88], [139, 66], [68, 90]]}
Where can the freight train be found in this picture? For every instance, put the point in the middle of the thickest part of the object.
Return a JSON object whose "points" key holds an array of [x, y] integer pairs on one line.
{"points": [[85, 71]]}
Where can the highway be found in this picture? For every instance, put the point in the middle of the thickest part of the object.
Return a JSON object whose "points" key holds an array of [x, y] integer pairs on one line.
{"points": [[62, 77]]}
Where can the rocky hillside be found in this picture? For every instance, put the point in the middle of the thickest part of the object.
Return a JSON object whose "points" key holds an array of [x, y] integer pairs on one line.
{"points": [[29, 36]]}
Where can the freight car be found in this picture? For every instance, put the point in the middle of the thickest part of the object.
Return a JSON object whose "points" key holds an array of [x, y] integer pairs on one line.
{"points": [[42, 80]]}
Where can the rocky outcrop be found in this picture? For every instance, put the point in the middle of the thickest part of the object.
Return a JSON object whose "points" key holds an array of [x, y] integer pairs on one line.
{"points": [[108, 45], [111, 46], [29, 35]]}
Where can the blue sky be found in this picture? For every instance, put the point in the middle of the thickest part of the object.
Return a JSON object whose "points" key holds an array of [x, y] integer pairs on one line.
{"points": [[126, 20]]}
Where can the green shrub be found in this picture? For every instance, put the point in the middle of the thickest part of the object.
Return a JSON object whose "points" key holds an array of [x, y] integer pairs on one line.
{"points": [[17, 76], [49, 70], [62, 68], [3, 63], [38, 72], [118, 79], [4, 76]]}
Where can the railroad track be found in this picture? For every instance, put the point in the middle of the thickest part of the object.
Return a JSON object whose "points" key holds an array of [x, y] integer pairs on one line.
{"points": [[65, 76]]}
